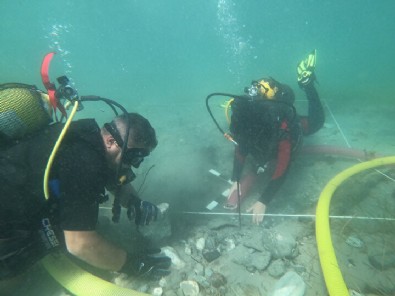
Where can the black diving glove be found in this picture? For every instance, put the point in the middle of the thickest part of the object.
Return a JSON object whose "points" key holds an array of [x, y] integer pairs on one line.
{"points": [[145, 212], [152, 264]]}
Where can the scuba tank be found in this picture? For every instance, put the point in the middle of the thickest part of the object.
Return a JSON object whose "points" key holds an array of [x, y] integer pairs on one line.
{"points": [[23, 110]]}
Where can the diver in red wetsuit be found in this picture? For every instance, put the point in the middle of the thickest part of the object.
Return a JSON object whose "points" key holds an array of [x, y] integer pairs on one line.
{"points": [[265, 125]]}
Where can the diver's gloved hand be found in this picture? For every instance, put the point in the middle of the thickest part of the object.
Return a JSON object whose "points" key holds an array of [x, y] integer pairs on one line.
{"points": [[306, 69], [145, 212], [152, 264]]}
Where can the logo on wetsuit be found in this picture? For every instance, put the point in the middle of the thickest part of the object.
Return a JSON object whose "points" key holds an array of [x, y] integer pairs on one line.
{"points": [[48, 235]]}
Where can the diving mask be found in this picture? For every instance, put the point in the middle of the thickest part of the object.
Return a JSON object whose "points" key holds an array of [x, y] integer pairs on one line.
{"points": [[265, 88], [135, 156], [131, 156]]}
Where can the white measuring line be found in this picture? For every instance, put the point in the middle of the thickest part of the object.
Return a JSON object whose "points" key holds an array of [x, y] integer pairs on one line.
{"points": [[337, 124], [348, 144], [290, 215], [281, 215]]}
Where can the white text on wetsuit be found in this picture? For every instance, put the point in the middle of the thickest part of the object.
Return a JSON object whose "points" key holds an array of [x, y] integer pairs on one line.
{"points": [[51, 240]]}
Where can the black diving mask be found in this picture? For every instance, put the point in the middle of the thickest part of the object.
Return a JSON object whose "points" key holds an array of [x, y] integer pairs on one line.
{"points": [[135, 156], [131, 156]]}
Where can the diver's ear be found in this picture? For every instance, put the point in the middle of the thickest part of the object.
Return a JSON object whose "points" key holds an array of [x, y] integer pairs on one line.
{"points": [[109, 141]]}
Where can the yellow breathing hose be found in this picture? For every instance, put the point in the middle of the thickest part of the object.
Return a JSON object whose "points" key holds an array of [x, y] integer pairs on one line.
{"points": [[55, 149], [330, 268], [66, 273]]}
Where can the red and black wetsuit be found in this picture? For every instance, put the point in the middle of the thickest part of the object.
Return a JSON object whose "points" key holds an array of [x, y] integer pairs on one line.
{"points": [[270, 131]]}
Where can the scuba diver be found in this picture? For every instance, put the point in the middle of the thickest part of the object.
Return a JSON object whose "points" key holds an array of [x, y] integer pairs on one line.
{"points": [[265, 125], [89, 161]]}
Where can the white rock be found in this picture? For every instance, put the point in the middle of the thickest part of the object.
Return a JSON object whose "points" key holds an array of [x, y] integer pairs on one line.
{"points": [[200, 243], [163, 282], [121, 280], [163, 207], [290, 284], [189, 288], [354, 241], [158, 291], [230, 244], [188, 250], [175, 259]]}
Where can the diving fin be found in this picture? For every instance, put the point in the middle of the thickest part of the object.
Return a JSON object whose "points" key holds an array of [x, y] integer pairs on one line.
{"points": [[306, 68]]}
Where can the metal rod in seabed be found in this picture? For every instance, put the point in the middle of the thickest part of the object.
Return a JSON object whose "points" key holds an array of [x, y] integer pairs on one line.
{"points": [[290, 215]]}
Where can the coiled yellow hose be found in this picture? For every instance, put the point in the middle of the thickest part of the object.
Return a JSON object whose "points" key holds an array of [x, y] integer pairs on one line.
{"points": [[330, 268], [80, 282]]}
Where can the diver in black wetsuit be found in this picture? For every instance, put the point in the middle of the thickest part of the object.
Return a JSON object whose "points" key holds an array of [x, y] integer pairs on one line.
{"points": [[85, 165]]}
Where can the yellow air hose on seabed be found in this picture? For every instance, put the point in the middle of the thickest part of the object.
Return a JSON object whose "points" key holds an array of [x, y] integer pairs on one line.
{"points": [[69, 275], [80, 282], [330, 268]]}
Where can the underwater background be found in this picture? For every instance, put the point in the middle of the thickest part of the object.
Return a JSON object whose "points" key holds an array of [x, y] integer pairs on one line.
{"points": [[162, 59], [170, 52]]}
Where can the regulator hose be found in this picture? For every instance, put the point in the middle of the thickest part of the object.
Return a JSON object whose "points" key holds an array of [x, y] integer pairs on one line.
{"points": [[226, 135]]}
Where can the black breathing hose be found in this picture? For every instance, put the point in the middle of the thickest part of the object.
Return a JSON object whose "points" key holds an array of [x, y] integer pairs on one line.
{"points": [[209, 109], [116, 208], [229, 138]]}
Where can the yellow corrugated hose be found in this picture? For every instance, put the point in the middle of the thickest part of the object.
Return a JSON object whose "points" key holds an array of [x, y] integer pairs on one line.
{"points": [[80, 282], [330, 268], [66, 273]]}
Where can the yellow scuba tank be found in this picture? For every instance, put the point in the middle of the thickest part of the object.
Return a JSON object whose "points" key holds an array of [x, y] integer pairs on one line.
{"points": [[23, 110]]}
